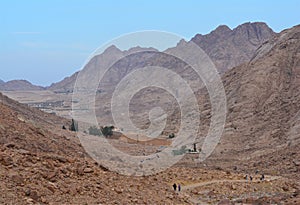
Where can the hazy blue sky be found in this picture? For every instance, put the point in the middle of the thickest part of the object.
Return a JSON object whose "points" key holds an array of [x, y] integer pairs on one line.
{"points": [[45, 41]]}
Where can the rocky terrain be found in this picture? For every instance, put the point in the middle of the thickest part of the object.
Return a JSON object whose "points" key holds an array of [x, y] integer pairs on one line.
{"points": [[262, 97], [42, 163]]}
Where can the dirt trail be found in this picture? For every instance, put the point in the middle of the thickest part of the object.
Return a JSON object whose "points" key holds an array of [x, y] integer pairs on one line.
{"points": [[192, 186], [197, 201]]}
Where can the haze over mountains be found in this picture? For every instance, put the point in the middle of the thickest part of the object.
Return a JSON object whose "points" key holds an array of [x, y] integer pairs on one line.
{"points": [[226, 48]]}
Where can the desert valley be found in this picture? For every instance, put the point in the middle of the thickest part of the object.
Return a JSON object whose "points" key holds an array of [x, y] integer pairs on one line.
{"points": [[42, 160]]}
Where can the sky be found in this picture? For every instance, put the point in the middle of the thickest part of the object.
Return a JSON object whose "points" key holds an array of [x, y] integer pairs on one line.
{"points": [[46, 41]]}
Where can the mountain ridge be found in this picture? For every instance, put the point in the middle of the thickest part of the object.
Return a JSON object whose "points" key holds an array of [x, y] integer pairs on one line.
{"points": [[19, 85], [222, 45]]}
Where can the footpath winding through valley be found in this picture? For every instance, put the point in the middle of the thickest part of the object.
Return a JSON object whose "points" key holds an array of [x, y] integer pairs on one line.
{"points": [[195, 185]]}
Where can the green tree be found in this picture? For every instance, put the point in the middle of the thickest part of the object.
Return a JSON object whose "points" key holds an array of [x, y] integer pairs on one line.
{"points": [[74, 126], [107, 130]]}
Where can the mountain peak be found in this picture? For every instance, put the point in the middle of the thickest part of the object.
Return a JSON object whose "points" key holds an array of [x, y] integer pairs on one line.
{"points": [[138, 49], [255, 33], [222, 29], [19, 85], [112, 49]]}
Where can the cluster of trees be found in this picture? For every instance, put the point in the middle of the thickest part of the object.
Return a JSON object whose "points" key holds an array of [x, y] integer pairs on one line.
{"points": [[105, 131], [93, 130]]}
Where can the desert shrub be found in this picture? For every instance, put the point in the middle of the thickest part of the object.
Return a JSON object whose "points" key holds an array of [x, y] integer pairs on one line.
{"points": [[93, 130], [181, 151]]}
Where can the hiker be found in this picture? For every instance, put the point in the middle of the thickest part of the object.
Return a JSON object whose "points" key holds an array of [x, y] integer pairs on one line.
{"points": [[174, 186], [262, 177], [179, 187], [251, 178], [246, 177]]}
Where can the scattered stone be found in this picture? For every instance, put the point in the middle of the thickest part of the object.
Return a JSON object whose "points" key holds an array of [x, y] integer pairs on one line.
{"points": [[6, 160], [80, 171], [118, 191], [225, 202], [29, 201], [285, 188], [233, 187], [34, 195], [296, 162], [88, 170], [27, 192], [17, 179], [44, 200], [51, 176], [61, 159]]}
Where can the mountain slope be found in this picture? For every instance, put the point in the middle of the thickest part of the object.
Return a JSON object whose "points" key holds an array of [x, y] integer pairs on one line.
{"points": [[262, 126], [40, 163]]}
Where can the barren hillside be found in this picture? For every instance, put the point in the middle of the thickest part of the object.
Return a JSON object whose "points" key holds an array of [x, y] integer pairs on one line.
{"points": [[262, 128], [42, 164]]}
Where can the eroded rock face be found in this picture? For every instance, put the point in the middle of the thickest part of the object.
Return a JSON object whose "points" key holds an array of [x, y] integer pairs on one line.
{"points": [[262, 128], [229, 48]]}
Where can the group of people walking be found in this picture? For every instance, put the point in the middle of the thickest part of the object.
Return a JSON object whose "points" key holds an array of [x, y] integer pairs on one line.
{"points": [[176, 187], [262, 177]]}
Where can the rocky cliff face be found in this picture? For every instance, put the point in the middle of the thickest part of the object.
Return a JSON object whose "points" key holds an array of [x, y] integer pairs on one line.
{"points": [[263, 109], [228, 48]]}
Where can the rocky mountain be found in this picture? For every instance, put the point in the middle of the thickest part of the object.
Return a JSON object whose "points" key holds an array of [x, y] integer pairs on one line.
{"points": [[66, 85], [226, 48], [262, 128], [19, 85], [41, 163]]}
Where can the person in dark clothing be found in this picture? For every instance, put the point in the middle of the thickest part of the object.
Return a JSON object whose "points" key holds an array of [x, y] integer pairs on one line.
{"points": [[174, 186], [251, 178], [262, 177], [179, 187]]}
